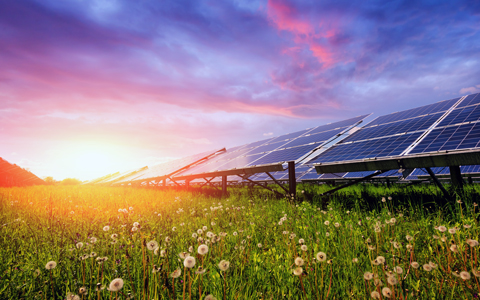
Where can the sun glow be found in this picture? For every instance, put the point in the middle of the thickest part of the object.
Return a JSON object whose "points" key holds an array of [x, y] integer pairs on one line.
{"points": [[91, 160]]}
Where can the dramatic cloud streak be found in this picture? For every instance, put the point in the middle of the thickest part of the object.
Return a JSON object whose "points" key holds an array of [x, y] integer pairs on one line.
{"points": [[218, 73]]}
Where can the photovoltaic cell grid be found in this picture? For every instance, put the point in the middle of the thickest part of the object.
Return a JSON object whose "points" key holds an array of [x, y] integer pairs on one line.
{"points": [[460, 129], [391, 134], [279, 149], [389, 146], [473, 169], [441, 106]]}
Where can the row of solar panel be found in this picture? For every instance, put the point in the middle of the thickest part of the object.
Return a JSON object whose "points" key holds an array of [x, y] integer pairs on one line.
{"points": [[445, 125]]}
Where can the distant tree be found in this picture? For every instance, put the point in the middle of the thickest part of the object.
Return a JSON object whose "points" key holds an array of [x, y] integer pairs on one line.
{"points": [[49, 180], [71, 181]]}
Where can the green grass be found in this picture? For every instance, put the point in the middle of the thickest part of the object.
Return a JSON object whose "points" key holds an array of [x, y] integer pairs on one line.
{"points": [[46, 223]]}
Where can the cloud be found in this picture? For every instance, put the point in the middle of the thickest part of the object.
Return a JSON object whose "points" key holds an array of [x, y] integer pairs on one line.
{"points": [[470, 90]]}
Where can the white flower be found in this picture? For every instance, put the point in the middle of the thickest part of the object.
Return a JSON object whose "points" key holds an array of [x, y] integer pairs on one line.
{"points": [[202, 249], [176, 273], [116, 285], [224, 265], [299, 261], [106, 228], [50, 265], [189, 262], [152, 245]]}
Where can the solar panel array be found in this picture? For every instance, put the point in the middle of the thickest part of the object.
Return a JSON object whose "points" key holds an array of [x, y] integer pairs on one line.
{"points": [[288, 147], [446, 125], [392, 134]]}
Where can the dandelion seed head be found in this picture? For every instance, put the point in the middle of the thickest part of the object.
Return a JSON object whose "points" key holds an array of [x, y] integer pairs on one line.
{"points": [[116, 285], [189, 262], [387, 292], [304, 247], [176, 273], [50, 265], [202, 249], [368, 276], [224, 265], [465, 275], [152, 245], [321, 256], [298, 271], [375, 295], [299, 261]]}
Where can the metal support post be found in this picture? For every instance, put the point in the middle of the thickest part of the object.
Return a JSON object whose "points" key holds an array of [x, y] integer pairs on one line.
{"points": [[292, 180], [456, 177], [224, 185], [437, 182]]}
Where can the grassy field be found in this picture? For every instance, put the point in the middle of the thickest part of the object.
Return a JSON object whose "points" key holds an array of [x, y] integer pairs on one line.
{"points": [[83, 242]]}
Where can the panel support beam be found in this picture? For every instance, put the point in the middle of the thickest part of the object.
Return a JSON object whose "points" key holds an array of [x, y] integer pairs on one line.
{"points": [[353, 182], [292, 180], [277, 182], [256, 183], [224, 185], [437, 182], [456, 177]]}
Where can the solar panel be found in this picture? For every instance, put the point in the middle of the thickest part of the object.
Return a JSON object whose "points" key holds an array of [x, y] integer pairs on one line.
{"points": [[332, 176], [441, 106], [388, 146], [450, 138], [280, 149], [470, 100]]}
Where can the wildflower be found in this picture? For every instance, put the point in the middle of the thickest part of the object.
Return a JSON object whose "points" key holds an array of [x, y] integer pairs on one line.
{"points": [[152, 245], [202, 249], [393, 221], [476, 272], [409, 247], [176, 273], [183, 255], [99, 287], [163, 253], [93, 240], [224, 265], [210, 297], [465, 275], [397, 245], [375, 295], [156, 269], [199, 231], [377, 229], [467, 226], [301, 241], [442, 228], [134, 228], [398, 270], [298, 271], [50, 265], [327, 223], [82, 290], [235, 233], [427, 267], [259, 245], [167, 239], [452, 230], [136, 224], [115, 285], [379, 260], [189, 262], [327, 234], [472, 243], [174, 228], [330, 261], [321, 256], [204, 228], [454, 248], [79, 245], [433, 265], [383, 199], [194, 235], [71, 296], [355, 260], [409, 237], [368, 276], [392, 280], [370, 247], [200, 270], [114, 236], [299, 261], [304, 247], [106, 228], [336, 225], [387, 292]]}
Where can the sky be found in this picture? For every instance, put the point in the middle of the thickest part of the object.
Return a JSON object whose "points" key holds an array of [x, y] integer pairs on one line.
{"points": [[92, 87]]}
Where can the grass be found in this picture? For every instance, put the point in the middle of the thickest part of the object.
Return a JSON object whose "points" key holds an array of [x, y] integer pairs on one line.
{"points": [[97, 234]]}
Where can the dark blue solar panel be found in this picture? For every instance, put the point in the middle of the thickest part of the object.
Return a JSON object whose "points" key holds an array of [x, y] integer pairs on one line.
{"points": [[312, 174], [470, 169], [388, 146], [314, 138], [284, 155], [462, 115], [332, 176], [415, 112], [359, 174], [341, 124], [239, 162], [410, 125], [470, 100], [450, 138]]}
